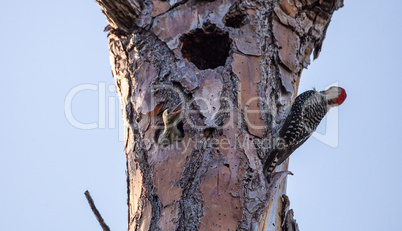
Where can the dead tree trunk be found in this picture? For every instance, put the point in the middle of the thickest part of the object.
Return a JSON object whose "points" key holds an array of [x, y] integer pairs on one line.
{"points": [[234, 66]]}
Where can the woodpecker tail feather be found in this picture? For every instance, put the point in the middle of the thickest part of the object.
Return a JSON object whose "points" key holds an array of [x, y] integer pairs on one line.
{"points": [[270, 164]]}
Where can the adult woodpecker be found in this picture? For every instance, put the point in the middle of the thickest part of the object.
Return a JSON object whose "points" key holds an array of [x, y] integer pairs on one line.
{"points": [[304, 115], [170, 132]]}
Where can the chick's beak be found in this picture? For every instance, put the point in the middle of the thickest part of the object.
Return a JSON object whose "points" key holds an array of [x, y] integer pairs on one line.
{"points": [[177, 110]]}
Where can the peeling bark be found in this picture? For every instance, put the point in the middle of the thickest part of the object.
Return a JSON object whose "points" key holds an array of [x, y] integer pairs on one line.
{"points": [[235, 66]]}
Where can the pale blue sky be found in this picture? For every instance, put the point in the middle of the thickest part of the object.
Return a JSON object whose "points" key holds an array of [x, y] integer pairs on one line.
{"points": [[46, 164]]}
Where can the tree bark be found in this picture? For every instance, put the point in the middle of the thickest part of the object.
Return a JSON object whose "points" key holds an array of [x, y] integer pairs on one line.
{"points": [[234, 66]]}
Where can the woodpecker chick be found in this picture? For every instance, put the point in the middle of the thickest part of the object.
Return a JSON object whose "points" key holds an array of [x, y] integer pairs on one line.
{"points": [[303, 118], [170, 132]]}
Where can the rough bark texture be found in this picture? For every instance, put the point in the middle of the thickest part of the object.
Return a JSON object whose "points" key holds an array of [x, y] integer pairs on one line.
{"points": [[235, 66]]}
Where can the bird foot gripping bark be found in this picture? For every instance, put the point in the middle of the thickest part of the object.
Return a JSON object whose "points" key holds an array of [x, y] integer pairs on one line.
{"points": [[277, 179]]}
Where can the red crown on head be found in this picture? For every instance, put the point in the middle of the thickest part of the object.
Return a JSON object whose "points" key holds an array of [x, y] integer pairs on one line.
{"points": [[341, 97]]}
